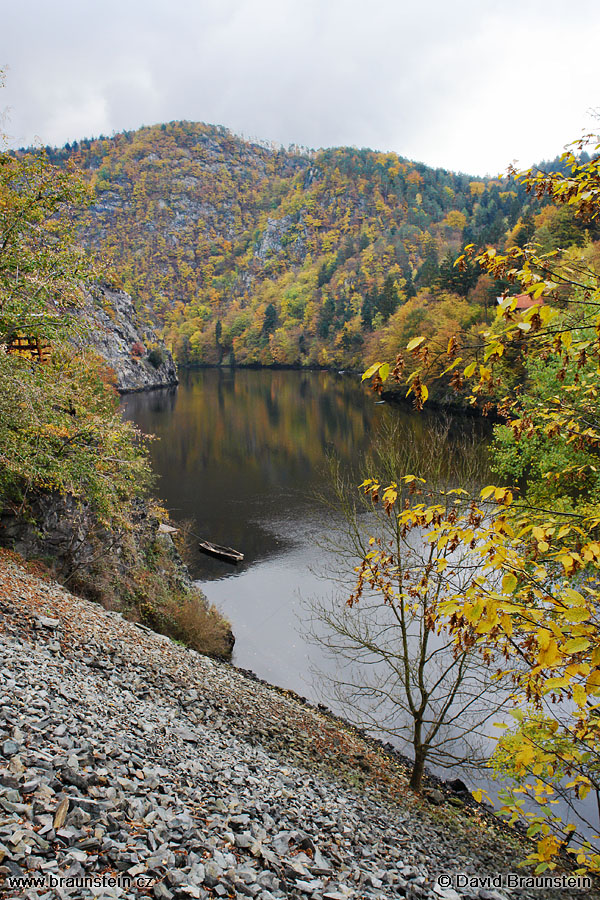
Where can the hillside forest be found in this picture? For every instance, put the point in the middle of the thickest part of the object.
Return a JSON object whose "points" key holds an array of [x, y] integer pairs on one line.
{"points": [[249, 254]]}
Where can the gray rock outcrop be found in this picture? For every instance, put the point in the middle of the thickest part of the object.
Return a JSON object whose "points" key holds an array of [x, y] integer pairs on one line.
{"points": [[139, 359], [280, 233]]}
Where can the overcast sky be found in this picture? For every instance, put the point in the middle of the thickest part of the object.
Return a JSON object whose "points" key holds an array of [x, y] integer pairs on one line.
{"points": [[466, 84]]}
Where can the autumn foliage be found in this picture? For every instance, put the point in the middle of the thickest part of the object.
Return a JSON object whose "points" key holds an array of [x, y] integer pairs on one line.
{"points": [[253, 254], [535, 543]]}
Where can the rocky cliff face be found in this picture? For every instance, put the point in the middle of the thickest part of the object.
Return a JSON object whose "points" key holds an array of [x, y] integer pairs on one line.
{"points": [[66, 535], [137, 570], [139, 359]]}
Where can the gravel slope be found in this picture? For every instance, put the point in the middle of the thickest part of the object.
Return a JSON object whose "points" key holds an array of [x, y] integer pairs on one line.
{"points": [[124, 754]]}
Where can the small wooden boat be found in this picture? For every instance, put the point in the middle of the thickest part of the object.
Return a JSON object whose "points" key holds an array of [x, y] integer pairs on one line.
{"points": [[227, 554]]}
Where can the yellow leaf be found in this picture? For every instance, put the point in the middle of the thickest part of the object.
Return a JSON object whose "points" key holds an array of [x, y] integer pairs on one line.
{"points": [[575, 597], [384, 371], [550, 655], [453, 365], [470, 369], [370, 371], [576, 645], [487, 491], [524, 756], [583, 791], [543, 638], [579, 695], [390, 495], [485, 625], [415, 342], [567, 560], [551, 684], [576, 614], [509, 583], [495, 349]]}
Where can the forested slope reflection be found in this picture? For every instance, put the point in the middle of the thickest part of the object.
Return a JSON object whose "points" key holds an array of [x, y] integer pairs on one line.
{"points": [[243, 453], [237, 448]]}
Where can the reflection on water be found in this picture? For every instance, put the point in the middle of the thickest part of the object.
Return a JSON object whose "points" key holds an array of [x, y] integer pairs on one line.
{"points": [[242, 454], [239, 449]]}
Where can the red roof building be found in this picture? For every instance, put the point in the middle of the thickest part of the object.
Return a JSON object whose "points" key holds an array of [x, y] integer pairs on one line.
{"points": [[525, 301]]}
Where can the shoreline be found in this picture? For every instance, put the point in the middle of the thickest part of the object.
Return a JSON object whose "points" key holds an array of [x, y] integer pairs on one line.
{"points": [[395, 396], [205, 722]]}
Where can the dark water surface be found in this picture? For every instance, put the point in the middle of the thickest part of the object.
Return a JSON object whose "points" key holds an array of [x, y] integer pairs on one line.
{"points": [[242, 453]]}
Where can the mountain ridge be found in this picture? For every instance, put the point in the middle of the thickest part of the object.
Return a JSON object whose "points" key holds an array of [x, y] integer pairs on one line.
{"points": [[249, 254]]}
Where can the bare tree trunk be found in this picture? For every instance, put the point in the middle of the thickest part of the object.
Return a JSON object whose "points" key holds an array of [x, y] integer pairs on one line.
{"points": [[416, 777], [420, 755]]}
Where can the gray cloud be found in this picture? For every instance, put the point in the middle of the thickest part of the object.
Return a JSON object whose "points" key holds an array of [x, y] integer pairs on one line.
{"points": [[467, 85]]}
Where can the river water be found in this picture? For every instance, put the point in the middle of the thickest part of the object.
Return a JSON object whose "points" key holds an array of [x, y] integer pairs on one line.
{"points": [[241, 455]]}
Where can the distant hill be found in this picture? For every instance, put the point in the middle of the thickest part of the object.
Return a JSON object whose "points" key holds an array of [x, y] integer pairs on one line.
{"points": [[253, 254]]}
